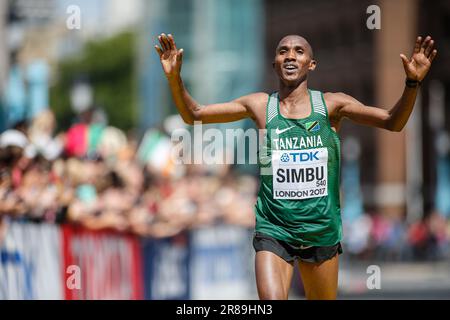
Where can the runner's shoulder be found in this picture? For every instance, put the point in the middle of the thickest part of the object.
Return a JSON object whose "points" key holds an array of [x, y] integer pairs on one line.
{"points": [[335, 97], [255, 101], [335, 100]]}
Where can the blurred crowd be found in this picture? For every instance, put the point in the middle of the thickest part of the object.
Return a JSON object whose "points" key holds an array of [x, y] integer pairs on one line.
{"points": [[374, 236], [99, 178], [92, 176]]}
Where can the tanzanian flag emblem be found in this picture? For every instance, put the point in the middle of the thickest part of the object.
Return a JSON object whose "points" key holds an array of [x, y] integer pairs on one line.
{"points": [[312, 126]]}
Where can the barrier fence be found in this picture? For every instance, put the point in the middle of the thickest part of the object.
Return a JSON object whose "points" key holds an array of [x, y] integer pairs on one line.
{"points": [[42, 261]]}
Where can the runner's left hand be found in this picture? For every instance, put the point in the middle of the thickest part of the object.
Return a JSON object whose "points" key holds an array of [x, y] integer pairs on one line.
{"points": [[419, 64]]}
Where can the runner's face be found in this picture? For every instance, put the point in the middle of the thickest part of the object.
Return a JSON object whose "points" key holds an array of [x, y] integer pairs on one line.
{"points": [[293, 60]]}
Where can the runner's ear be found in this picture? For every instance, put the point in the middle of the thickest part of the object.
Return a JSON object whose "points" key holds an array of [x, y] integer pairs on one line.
{"points": [[312, 65]]}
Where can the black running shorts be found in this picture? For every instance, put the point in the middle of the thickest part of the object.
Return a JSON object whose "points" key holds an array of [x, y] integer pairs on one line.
{"points": [[290, 253]]}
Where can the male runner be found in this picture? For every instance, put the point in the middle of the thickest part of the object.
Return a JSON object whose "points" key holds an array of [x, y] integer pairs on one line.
{"points": [[298, 209]]}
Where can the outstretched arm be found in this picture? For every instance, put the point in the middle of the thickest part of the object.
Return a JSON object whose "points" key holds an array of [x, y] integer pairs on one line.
{"points": [[394, 119], [190, 110]]}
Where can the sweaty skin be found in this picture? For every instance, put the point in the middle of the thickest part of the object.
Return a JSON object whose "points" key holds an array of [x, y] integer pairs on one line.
{"points": [[293, 61]]}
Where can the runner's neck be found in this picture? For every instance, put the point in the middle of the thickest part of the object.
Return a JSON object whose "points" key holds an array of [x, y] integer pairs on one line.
{"points": [[293, 94]]}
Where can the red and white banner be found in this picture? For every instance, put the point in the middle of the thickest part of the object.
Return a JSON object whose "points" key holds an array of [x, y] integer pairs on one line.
{"points": [[101, 265], [42, 261]]}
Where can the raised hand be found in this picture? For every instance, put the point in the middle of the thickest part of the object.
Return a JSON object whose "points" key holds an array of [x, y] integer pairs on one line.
{"points": [[171, 58], [418, 66]]}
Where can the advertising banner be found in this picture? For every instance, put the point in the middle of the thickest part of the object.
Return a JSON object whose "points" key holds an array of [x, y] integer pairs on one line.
{"points": [[30, 264], [166, 268], [101, 265], [222, 260]]}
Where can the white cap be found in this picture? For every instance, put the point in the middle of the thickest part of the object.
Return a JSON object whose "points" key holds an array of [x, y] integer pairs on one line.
{"points": [[13, 138]]}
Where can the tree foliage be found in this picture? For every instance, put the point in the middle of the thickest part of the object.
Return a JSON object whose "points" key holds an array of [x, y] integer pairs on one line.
{"points": [[109, 66]]}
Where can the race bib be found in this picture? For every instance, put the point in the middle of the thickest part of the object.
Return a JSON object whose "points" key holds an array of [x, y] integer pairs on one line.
{"points": [[300, 174]]}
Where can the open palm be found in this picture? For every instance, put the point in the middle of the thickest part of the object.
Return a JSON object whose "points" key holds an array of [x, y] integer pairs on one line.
{"points": [[419, 64], [171, 58]]}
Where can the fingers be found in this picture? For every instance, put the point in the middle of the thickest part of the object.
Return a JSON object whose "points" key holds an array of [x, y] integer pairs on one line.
{"points": [[180, 55], [164, 41], [404, 60], [433, 55], [429, 48], [172, 42], [418, 43], [160, 52], [425, 44], [167, 42]]}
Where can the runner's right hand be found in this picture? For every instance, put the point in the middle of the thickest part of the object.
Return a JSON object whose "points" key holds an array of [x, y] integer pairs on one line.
{"points": [[171, 58]]}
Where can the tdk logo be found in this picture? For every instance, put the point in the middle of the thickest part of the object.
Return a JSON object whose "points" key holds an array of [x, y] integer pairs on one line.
{"points": [[300, 156], [285, 157]]}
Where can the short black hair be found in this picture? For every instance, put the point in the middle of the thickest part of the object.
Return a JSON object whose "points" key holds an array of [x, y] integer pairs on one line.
{"points": [[307, 45]]}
